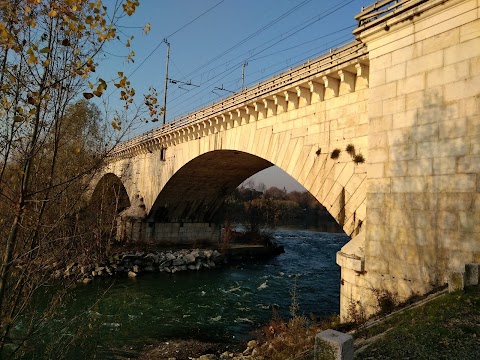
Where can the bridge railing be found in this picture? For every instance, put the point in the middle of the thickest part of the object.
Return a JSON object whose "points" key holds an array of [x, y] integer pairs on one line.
{"points": [[380, 10], [323, 63]]}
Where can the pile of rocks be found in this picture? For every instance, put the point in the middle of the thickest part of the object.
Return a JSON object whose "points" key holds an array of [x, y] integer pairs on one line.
{"points": [[133, 264], [250, 353]]}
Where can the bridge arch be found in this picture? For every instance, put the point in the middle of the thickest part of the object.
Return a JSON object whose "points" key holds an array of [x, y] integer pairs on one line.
{"points": [[108, 189], [197, 189]]}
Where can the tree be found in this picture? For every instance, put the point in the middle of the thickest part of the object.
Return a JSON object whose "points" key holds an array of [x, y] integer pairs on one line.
{"points": [[48, 52]]}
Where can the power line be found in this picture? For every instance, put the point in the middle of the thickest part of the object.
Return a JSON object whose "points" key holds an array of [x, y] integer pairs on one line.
{"points": [[281, 36], [251, 36], [169, 36], [313, 20], [322, 50], [173, 33]]}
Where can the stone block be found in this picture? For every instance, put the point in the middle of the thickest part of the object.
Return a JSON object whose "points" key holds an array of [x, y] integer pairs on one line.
{"points": [[444, 165], [427, 132], [441, 41], [470, 30], [396, 168], [379, 185], [453, 128], [351, 262], [414, 100], [386, 91], [375, 170], [398, 136], [381, 62], [454, 183], [465, 50], [471, 274], [405, 119], [333, 345], [469, 164], [378, 155], [473, 124], [395, 72], [447, 74], [394, 106], [409, 184], [424, 63], [456, 281], [406, 53], [410, 84], [402, 152], [420, 167], [462, 89], [378, 140], [375, 200]]}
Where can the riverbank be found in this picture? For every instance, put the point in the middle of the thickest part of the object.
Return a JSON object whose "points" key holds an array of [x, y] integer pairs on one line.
{"points": [[134, 259], [447, 327]]}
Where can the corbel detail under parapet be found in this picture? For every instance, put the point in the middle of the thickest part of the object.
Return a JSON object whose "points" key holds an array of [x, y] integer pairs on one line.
{"points": [[347, 81], [223, 122], [251, 113], [281, 103], [363, 72], [292, 99], [304, 96], [241, 113], [270, 107], [234, 118], [331, 86], [260, 109], [317, 90]]}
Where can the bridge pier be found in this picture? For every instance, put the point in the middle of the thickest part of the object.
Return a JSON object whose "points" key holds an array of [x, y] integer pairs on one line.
{"points": [[134, 225], [133, 230]]}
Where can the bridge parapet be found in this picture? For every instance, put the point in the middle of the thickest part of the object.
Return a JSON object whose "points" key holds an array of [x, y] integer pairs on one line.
{"points": [[317, 80]]}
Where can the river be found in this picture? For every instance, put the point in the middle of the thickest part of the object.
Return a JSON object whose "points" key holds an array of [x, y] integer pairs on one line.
{"points": [[109, 316]]}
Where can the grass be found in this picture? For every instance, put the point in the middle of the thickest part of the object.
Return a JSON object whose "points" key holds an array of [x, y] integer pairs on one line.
{"points": [[448, 327]]}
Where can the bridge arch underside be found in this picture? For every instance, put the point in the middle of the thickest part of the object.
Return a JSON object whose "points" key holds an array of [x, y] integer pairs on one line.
{"points": [[198, 189], [110, 192]]}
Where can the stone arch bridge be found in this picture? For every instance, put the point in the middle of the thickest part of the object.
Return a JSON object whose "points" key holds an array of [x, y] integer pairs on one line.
{"points": [[404, 97]]}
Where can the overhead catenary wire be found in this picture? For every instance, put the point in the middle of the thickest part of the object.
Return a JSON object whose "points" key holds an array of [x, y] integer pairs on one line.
{"points": [[251, 36], [229, 70], [179, 112], [299, 27], [169, 36]]}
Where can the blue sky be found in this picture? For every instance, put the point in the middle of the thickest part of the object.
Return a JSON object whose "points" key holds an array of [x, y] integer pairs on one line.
{"points": [[270, 35]]}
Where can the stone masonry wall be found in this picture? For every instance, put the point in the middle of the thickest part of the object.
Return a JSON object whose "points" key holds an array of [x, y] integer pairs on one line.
{"points": [[423, 197]]}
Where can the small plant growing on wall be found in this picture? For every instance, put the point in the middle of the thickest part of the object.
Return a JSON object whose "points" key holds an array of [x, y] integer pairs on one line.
{"points": [[358, 159], [335, 154], [318, 152], [350, 149]]}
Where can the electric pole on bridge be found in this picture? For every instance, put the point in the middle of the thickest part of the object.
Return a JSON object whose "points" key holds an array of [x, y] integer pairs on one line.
{"points": [[166, 81], [243, 74]]}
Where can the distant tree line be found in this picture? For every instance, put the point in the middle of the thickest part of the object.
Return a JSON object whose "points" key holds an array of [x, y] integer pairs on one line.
{"points": [[259, 207]]}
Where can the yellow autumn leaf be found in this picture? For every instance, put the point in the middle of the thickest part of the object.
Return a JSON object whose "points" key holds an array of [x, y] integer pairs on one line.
{"points": [[52, 13], [146, 29], [32, 60]]}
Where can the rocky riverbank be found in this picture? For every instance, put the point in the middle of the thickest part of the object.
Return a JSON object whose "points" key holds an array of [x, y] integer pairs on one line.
{"points": [[138, 262], [133, 263]]}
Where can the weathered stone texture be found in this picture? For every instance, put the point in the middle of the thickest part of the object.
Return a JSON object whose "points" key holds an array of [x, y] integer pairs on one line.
{"points": [[423, 146]]}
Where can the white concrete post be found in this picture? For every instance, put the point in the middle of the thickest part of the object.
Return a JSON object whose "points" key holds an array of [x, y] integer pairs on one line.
{"points": [[333, 345]]}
